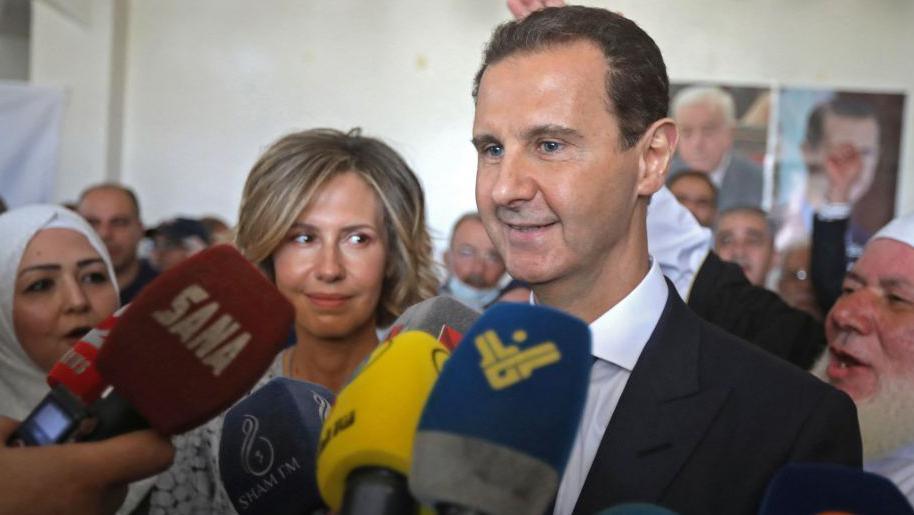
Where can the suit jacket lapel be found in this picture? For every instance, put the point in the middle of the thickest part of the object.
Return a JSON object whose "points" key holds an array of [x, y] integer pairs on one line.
{"points": [[661, 416]]}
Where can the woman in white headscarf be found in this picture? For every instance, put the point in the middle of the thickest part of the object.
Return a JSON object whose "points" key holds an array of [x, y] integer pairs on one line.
{"points": [[56, 283]]}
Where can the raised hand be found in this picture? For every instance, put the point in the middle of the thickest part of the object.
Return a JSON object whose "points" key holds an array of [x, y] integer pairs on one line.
{"points": [[521, 8], [843, 166]]}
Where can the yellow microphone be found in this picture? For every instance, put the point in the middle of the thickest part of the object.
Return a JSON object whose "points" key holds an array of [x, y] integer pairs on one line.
{"points": [[366, 443]]}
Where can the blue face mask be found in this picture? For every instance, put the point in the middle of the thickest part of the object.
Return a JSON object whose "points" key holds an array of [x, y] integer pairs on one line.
{"points": [[470, 295]]}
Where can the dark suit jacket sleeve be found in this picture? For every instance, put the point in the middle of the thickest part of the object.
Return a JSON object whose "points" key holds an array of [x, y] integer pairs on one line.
{"points": [[828, 261], [722, 295], [831, 433]]}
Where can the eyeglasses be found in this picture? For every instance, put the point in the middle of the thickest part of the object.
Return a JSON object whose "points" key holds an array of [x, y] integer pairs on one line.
{"points": [[468, 252]]}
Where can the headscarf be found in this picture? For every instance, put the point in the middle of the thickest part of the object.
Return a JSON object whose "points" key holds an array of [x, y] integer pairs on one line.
{"points": [[22, 383], [900, 229]]}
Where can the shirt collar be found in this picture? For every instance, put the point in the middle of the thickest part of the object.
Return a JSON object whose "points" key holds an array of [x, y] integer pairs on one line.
{"points": [[619, 335], [717, 175]]}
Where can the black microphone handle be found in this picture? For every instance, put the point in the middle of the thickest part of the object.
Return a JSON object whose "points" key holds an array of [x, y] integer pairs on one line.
{"points": [[114, 416], [444, 508], [377, 491]]}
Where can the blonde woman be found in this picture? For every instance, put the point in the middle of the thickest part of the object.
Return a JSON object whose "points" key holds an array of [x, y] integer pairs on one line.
{"points": [[337, 221]]}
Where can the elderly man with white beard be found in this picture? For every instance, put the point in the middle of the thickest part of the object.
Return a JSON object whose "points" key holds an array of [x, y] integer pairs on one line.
{"points": [[870, 332]]}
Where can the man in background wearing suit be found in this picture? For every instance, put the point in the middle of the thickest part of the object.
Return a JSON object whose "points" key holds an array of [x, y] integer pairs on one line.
{"points": [[572, 140], [706, 117]]}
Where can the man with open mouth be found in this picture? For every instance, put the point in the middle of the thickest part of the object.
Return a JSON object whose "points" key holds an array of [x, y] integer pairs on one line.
{"points": [[870, 333]]}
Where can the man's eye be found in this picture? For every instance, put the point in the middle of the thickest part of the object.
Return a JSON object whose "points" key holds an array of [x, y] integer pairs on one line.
{"points": [[550, 146], [302, 238], [494, 150], [895, 299]]}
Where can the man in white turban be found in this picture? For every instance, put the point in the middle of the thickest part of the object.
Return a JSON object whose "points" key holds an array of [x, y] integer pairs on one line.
{"points": [[870, 332]]}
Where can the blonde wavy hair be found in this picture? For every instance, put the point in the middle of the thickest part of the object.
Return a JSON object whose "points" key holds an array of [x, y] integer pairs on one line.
{"points": [[285, 179]]}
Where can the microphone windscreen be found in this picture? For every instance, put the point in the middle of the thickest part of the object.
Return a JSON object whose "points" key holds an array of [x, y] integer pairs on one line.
{"points": [[374, 419], [498, 426], [803, 488], [195, 339], [267, 454], [76, 369], [443, 317]]}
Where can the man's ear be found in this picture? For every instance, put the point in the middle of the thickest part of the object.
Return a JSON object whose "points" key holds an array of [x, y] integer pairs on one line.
{"points": [[657, 146], [447, 259]]}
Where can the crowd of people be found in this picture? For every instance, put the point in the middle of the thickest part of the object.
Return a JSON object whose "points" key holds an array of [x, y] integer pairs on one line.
{"points": [[597, 195]]}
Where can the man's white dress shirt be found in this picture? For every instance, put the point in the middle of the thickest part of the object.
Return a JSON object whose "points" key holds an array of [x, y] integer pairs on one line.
{"points": [[717, 175], [619, 336]]}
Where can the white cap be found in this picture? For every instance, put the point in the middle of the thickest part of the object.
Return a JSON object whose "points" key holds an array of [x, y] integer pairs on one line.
{"points": [[900, 229]]}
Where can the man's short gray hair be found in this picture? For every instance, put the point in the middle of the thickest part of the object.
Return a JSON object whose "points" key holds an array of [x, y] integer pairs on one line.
{"points": [[707, 95]]}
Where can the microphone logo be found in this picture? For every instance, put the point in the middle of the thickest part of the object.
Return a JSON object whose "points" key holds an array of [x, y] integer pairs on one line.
{"points": [[323, 406], [214, 337], [506, 366], [449, 337], [97, 336], [257, 461], [75, 361]]}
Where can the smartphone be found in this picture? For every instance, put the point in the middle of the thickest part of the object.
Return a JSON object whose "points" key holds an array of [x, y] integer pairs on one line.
{"points": [[54, 420]]}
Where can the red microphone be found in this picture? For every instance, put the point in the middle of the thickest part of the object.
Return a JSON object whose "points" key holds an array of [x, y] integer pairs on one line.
{"points": [[76, 370], [195, 340], [75, 384]]}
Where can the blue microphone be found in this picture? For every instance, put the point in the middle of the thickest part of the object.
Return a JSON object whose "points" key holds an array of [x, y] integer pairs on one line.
{"points": [[497, 429], [803, 488], [267, 455]]}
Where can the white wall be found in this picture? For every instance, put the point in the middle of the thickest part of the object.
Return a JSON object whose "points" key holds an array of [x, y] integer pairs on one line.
{"points": [[209, 83], [851, 44], [79, 54], [233, 77]]}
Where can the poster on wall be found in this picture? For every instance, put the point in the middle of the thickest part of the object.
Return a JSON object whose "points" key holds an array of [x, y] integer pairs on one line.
{"points": [[790, 150], [723, 133], [835, 146]]}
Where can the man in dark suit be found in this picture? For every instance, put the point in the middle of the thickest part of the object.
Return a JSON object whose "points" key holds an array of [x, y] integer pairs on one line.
{"points": [[573, 139]]}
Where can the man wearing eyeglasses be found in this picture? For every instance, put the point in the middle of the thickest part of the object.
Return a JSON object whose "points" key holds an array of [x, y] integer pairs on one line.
{"points": [[474, 266]]}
